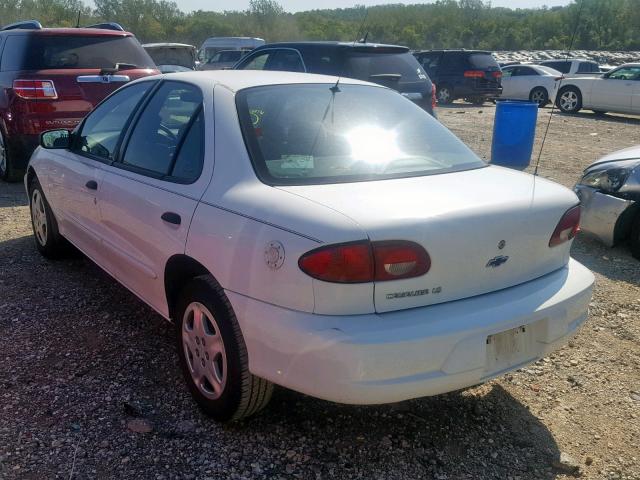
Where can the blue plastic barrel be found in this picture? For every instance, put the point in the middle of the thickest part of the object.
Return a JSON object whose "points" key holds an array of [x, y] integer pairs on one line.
{"points": [[514, 130]]}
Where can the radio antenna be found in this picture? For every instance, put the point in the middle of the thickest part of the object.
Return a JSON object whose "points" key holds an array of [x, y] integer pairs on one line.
{"points": [[553, 104], [361, 29], [78, 21]]}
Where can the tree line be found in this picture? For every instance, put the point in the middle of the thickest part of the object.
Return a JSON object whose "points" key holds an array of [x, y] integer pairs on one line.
{"points": [[601, 24]]}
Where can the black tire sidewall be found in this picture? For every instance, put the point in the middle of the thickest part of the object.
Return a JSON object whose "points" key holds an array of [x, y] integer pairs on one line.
{"points": [[224, 407]]}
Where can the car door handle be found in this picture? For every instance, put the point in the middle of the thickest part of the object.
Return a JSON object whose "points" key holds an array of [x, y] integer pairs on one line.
{"points": [[171, 217], [91, 185]]}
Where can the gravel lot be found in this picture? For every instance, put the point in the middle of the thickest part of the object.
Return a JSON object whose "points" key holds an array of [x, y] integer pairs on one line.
{"points": [[90, 386]]}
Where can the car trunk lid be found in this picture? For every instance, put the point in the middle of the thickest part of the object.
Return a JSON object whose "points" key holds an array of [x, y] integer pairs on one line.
{"points": [[484, 229]]}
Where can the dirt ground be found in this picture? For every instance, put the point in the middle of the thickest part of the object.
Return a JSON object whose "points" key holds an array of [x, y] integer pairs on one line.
{"points": [[81, 358]]}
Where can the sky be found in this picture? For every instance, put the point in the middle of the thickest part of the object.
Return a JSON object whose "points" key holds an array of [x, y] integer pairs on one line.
{"points": [[298, 5]]}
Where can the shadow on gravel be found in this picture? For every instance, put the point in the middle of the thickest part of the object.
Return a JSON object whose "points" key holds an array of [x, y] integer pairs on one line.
{"points": [[607, 118], [84, 358], [12, 195], [459, 435], [614, 263]]}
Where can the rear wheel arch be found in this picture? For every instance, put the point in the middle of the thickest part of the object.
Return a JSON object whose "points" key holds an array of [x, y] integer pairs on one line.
{"points": [[178, 271]]}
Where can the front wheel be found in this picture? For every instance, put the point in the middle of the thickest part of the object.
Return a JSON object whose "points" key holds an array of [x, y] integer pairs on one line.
{"points": [[540, 96], [213, 355], [569, 100]]}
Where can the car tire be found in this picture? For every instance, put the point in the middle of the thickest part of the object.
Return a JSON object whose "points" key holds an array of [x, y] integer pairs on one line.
{"points": [[540, 96], [634, 239], [213, 355], [7, 172], [48, 240], [569, 100], [444, 95]]}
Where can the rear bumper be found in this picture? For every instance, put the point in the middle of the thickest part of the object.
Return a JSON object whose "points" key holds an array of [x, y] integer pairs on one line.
{"points": [[382, 358], [600, 213]]}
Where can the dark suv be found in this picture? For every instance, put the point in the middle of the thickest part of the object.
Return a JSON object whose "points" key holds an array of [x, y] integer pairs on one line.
{"points": [[388, 65], [51, 77], [470, 74]]}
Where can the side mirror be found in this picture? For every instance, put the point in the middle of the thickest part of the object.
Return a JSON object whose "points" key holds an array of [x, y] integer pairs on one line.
{"points": [[55, 139]]}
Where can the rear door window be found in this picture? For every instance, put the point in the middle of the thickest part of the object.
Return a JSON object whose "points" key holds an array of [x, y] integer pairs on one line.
{"points": [[43, 52], [561, 66], [588, 67], [101, 131], [524, 72]]}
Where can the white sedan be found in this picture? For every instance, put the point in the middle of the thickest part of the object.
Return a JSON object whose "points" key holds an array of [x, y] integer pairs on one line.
{"points": [[530, 82], [322, 234], [618, 91]]}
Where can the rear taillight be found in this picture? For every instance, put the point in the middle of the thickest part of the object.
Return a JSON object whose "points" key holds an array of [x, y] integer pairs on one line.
{"points": [[567, 228], [474, 74], [35, 89], [434, 99], [362, 262], [497, 74]]}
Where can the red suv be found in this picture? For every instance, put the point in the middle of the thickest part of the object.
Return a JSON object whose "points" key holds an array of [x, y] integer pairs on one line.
{"points": [[52, 77]]}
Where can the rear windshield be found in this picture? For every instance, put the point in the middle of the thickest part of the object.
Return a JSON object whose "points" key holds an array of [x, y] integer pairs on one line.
{"points": [[482, 61], [41, 52], [313, 134], [375, 66]]}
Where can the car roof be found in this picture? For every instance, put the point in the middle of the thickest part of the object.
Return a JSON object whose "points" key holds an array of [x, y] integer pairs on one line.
{"points": [[102, 32], [236, 80], [328, 43], [459, 50], [167, 44]]}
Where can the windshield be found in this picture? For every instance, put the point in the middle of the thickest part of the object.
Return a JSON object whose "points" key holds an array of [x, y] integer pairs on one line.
{"points": [[313, 133], [41, 52]]}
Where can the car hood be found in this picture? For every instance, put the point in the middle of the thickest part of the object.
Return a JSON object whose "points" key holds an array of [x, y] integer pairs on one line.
{"points": [[630, 153]]}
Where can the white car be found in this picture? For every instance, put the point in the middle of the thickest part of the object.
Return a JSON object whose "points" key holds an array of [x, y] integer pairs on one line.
{"points": [[618, 91], [530, 82], [319, 233]]}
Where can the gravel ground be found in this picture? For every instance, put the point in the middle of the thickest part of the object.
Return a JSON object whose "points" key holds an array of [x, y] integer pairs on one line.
{"points": [[90, 387]]}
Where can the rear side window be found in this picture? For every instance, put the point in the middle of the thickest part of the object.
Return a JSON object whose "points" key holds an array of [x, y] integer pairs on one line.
{"points": [[588, 67], [163, 129], [101, 130], [482, 61], [42, 52], [371, 66], [561, 66], [285, 60]]}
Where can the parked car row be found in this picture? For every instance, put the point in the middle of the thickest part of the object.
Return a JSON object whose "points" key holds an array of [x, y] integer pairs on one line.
{"points": [[52, 77]]}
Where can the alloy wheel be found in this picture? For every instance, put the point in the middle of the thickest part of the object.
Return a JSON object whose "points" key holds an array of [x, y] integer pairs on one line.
{"points": [[444, 96], [39, 217], [204, 350], [538, 96], [569, 100]]}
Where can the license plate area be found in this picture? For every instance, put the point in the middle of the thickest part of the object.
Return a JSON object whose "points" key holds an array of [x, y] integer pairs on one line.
{"points": [[509, 348]]}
